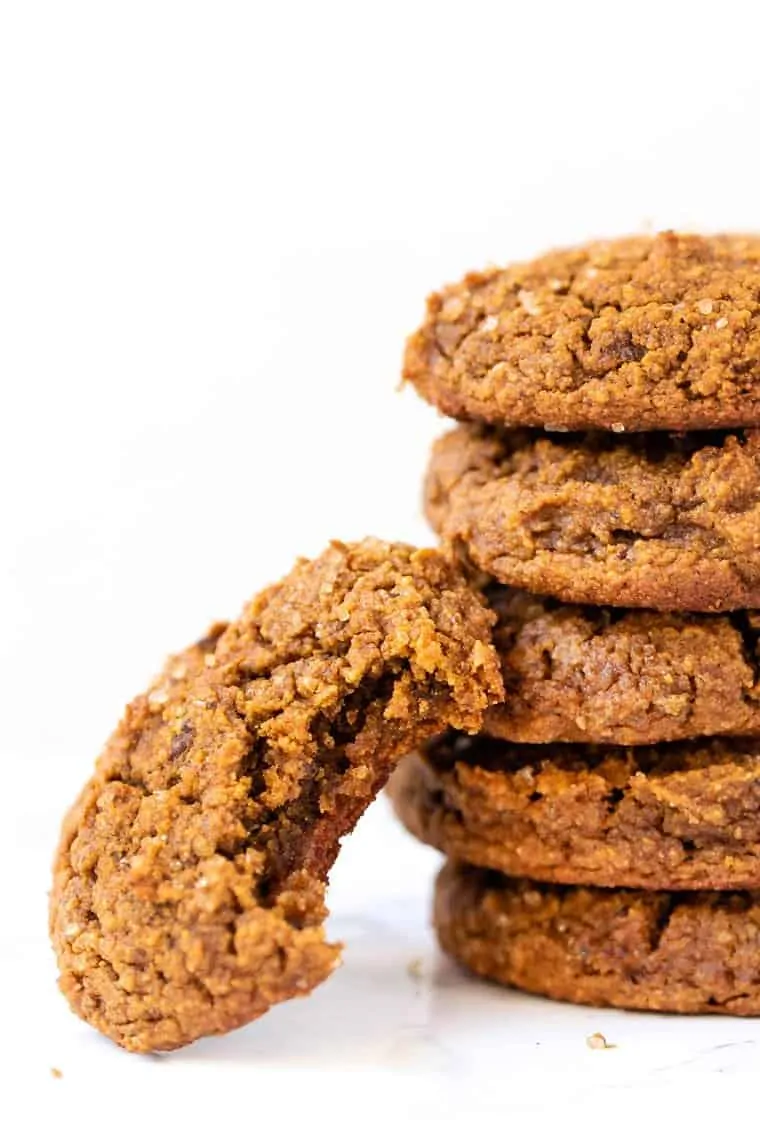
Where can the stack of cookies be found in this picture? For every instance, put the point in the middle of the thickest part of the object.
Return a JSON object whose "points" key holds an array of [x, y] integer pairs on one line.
{"points": [[603, 834]]}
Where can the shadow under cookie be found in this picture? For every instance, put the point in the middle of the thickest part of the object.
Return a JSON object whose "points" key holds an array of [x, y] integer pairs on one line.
{"points": [[678, 816], [693, 952]]}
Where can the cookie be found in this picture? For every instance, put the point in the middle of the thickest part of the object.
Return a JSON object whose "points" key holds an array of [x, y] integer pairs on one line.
{"points": [[640, 333], [655, 521], [189, 883], [676, 817], [695, 952], [600, 675]]}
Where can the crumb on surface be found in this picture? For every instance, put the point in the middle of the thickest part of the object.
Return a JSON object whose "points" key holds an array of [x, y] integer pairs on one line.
{"points": [[599, 1041], [415, 968], [57, 1073]]}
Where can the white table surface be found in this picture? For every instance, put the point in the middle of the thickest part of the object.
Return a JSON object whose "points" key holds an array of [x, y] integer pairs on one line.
{"points": [[397, 1034]]}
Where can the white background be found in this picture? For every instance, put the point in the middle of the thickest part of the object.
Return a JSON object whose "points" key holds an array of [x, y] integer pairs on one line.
{"points": [[217, 223]]}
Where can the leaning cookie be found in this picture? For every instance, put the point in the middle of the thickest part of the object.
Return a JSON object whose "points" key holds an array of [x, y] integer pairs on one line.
{"points": [[594, 674], [676, 817], [189, 883], [639, 333], [655, 521], [694, 952]]}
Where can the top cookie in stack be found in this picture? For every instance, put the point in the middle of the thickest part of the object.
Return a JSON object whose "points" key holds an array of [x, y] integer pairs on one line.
{"points": [[604, 487], [642, 333]]}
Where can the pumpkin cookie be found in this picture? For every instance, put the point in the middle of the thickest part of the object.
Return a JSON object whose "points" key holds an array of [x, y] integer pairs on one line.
{"points": [[600, 675], [189, 883], [679, 816], [639, 333], [696, 952], [656, 521]]}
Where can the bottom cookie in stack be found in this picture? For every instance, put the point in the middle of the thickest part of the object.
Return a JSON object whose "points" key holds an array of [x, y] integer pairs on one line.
{"points": [[599, 875], [687, 952]]}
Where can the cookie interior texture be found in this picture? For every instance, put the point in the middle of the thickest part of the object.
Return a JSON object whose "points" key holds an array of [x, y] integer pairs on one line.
{"points": [[189, 883], [646, 332], [607, 675], [690, 952], [656, 521], [675, 816]]}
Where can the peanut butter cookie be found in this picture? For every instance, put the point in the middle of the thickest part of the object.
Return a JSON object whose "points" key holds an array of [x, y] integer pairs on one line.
{"points": [[656, 521], [189, 883], [639, 333], [675, 817], [696, 952], [599, 675]]}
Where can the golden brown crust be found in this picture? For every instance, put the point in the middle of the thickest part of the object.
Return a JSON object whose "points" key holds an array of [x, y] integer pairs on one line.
{"points": [[189, 883], [678, 817], [600, 675], [695, 952], [662, 522], [638, 333]]}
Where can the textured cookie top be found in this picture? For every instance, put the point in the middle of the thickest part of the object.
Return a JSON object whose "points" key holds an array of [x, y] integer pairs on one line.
{"points": [[679, 816], [653, 520], [601, 675], [189, 882], [638, 333]]}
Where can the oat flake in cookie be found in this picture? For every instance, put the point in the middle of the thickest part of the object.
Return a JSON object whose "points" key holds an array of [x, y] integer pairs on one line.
{"points": [[657, 521], [638, 333], [189, 883], [695, 952]]}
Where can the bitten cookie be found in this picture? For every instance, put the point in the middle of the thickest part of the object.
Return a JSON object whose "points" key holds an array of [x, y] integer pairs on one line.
{"points": [[695, 952], [601, 675], [639, 333], [656, 521], [679, 816], [189, 883]]}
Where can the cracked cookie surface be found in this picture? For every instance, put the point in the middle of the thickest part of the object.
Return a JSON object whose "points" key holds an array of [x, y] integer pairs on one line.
{"points": [[600, 675], [189, 883], [637, 333], [694, 952], [656, 521], [678, 816]]}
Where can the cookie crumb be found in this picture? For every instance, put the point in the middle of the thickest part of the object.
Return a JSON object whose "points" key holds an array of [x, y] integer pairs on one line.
{"points": [[414, 968], [599, 1041], [55, 1073]]}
